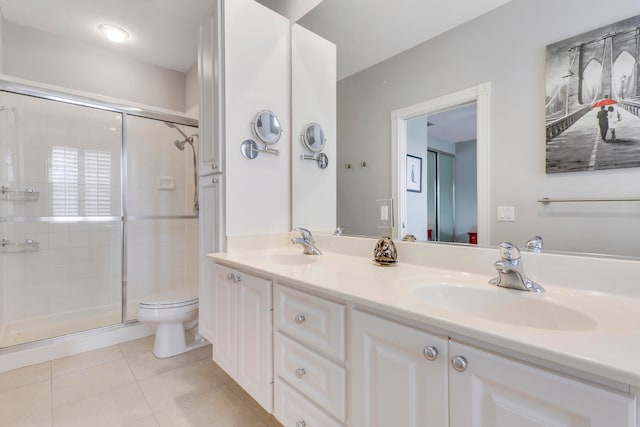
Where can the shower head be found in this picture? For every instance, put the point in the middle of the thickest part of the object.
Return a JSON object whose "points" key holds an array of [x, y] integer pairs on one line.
{"points": [[172, 125], [180, 144]]}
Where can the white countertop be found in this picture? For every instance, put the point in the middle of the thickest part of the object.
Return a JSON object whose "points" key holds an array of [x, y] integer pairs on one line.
{"points": [[606, 344]]}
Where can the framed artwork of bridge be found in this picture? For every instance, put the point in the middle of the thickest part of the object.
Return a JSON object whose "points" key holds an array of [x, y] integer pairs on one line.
{"points": [[592, 102]]}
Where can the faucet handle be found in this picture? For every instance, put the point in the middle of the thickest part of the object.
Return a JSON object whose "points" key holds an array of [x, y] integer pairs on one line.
{"points": [[509, 252], [306, 234], [534, 244]]}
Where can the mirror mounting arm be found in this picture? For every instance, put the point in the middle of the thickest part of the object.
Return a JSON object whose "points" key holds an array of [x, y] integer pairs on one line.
{"points": [[320, 158]]}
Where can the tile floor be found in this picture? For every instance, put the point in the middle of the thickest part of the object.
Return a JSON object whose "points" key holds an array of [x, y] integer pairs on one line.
{"points": [[125, 385]]}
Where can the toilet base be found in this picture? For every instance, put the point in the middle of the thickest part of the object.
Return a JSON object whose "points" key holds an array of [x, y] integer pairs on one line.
{"points": [[171, 340]]}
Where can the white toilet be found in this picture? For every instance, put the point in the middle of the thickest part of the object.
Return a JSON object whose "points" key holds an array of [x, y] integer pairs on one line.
{"points": [[174, 313]]}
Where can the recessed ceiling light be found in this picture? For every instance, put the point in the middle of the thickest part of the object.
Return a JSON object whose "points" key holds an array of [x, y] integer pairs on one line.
{"points": [[113, 33]]}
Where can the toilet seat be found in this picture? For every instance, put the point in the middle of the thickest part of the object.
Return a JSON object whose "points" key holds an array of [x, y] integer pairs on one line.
{"points": [[170, 299]]}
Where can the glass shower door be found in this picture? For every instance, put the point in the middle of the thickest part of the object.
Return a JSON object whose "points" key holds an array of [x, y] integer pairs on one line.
{"points": [[60, 218], [161, 204]]}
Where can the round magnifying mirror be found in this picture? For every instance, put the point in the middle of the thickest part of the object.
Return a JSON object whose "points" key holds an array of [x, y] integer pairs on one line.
{"points": [[313, 137], [267, 127]]}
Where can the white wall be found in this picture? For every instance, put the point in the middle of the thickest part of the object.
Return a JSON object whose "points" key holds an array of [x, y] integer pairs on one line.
{"points": [[418, 203], [1, 43], [313, 85], [506, 47], [256, 78], [191, 92], [42, 57]]}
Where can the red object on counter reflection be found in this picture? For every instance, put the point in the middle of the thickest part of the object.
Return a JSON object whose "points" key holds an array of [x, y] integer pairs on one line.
{"points": [[473, 238], [429, 234]]}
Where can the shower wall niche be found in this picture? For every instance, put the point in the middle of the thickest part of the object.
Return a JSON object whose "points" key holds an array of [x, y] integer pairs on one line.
{"points": [[83, 232]]}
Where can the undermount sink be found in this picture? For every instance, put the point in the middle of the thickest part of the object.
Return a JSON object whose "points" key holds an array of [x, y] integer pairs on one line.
{"points": [[507, 306], [286, 258]]}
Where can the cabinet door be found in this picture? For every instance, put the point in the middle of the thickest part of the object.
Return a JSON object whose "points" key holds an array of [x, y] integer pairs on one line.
{"points": [[495, 391], [224, 319], [393, 383], [209, 242], [210, 95], [255, 338]]}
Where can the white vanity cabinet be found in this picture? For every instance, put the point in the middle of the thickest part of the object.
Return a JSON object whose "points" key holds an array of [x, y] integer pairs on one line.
{"points": [[243, 331], [209, 197], [398, 374], [487, 390], [393, 383], [345, 363], [309, 359]]}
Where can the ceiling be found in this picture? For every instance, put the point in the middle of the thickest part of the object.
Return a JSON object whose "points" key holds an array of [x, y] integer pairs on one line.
{"points": [[456, 125], [164, 32], [367, 32]]}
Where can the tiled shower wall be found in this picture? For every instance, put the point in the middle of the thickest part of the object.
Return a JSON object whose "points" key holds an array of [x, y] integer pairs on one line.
{"points": [[71, 155]]}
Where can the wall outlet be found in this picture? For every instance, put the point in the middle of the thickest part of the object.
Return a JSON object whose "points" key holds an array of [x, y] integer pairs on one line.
{"points": [[384, 213], [506, 213]]}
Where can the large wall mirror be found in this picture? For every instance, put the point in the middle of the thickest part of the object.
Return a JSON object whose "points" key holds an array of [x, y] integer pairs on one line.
{"points": [[504, 46]]}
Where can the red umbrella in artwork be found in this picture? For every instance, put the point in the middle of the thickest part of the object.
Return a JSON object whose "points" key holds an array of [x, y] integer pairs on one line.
{"points": [[604, 102]]}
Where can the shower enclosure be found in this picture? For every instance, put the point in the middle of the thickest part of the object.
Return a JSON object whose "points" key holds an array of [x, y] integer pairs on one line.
{"points": [[98, 206]]}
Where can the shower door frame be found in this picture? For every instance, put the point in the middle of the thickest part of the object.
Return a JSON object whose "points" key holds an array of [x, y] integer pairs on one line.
{"points": [[125, 110]]}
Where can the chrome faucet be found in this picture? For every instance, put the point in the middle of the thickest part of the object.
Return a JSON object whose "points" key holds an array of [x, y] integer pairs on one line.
{"points": [[510, 272], [306, 241], [534, 244]]}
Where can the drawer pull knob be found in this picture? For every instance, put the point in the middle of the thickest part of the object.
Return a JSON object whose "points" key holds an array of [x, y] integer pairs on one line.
{"points": [[300, 319], [301, 423], [237, 278], [230, 276], [430, 353], [300, 372], [459, 363]]}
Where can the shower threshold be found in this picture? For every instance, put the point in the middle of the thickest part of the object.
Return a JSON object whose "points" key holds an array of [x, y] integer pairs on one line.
{"points": [[44, 327]]}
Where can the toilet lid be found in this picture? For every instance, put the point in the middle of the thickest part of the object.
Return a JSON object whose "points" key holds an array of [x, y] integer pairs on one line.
{"points": [[173, 298]]}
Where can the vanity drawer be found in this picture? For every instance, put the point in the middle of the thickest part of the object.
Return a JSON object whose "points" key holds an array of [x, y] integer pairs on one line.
{"points": [[294, 410], [319, 379], [311, 320]]}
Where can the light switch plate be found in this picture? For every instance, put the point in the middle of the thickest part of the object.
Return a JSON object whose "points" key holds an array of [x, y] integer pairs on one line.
{"points": [[384, 213], [506, 213]]}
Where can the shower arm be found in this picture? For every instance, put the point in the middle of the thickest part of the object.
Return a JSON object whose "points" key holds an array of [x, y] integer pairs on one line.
{"points": [[173, 126]]}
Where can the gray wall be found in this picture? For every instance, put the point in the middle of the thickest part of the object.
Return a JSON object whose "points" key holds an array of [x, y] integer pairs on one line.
{"points": [[42, 57], [507, 48], [466, 184]]}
